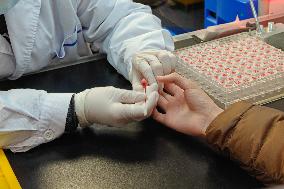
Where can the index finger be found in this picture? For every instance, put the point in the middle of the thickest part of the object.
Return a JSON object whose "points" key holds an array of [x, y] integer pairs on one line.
{"points": [[145, 70], [136, 82], [178, 80]]}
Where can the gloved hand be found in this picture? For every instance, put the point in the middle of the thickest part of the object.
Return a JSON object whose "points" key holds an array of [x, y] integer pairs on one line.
{"points": [[150, 64], [114, 107]]}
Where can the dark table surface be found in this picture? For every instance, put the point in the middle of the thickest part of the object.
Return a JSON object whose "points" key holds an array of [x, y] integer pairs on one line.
{"points": [[141, 155]]}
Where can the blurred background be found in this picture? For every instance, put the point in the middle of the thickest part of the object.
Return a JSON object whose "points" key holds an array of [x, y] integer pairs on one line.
{"points": [[180, 16]]}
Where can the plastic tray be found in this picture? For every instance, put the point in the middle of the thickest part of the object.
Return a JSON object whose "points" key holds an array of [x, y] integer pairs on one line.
{"points": [[234, 68]]}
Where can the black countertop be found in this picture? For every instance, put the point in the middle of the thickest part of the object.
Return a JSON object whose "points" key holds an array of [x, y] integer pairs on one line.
{"points": [[141, 155]]}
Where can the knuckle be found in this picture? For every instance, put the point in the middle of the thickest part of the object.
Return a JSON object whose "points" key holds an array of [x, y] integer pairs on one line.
{"points": [[162, 53], [111, 88], [175, 74], [163, 58], [137, 61], [173, 57], [152, 58], [124, 97], [157, 67], [142, 65], [147, 70]]}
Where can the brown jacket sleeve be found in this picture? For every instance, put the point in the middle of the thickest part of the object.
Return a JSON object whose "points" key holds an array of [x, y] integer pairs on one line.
{"points": [[253, 136]]}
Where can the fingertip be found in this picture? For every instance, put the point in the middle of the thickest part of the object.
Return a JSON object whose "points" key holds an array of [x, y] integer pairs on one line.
{"points": [[175, 75], [159, 78], [167, 78]]}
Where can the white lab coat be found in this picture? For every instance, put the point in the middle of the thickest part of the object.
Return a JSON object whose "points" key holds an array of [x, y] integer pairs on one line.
{"points": [[44, 31]]}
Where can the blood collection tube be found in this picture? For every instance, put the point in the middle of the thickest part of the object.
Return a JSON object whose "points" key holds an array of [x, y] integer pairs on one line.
{"points": [[144, 84]]}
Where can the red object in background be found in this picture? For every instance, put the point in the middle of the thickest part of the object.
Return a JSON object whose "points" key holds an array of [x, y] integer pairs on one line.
{"points": [[275, 6]]}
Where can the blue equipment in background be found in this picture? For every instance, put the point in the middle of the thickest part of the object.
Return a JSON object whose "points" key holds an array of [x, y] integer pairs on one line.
{"points": [[224, 11]]}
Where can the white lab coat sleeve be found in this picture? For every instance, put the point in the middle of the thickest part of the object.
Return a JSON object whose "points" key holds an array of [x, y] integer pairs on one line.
{"points": [[30, 117], [7, 63], [121, 29]]}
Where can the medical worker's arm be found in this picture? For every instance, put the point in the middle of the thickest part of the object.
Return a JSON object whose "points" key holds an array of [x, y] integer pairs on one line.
{"points": [[7, 60], [29, 117], [128, 32]]}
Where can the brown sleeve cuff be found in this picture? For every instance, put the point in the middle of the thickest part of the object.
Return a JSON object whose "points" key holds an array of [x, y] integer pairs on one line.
{"points": [[221, 127], [253, 136]]}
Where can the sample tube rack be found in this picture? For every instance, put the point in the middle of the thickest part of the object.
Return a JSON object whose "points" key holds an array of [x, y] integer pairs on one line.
{"points": [[234, 68]]}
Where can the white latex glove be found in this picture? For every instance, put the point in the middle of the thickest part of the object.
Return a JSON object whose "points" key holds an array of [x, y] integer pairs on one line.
{"points": [[114, 107], [150, 64]]}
